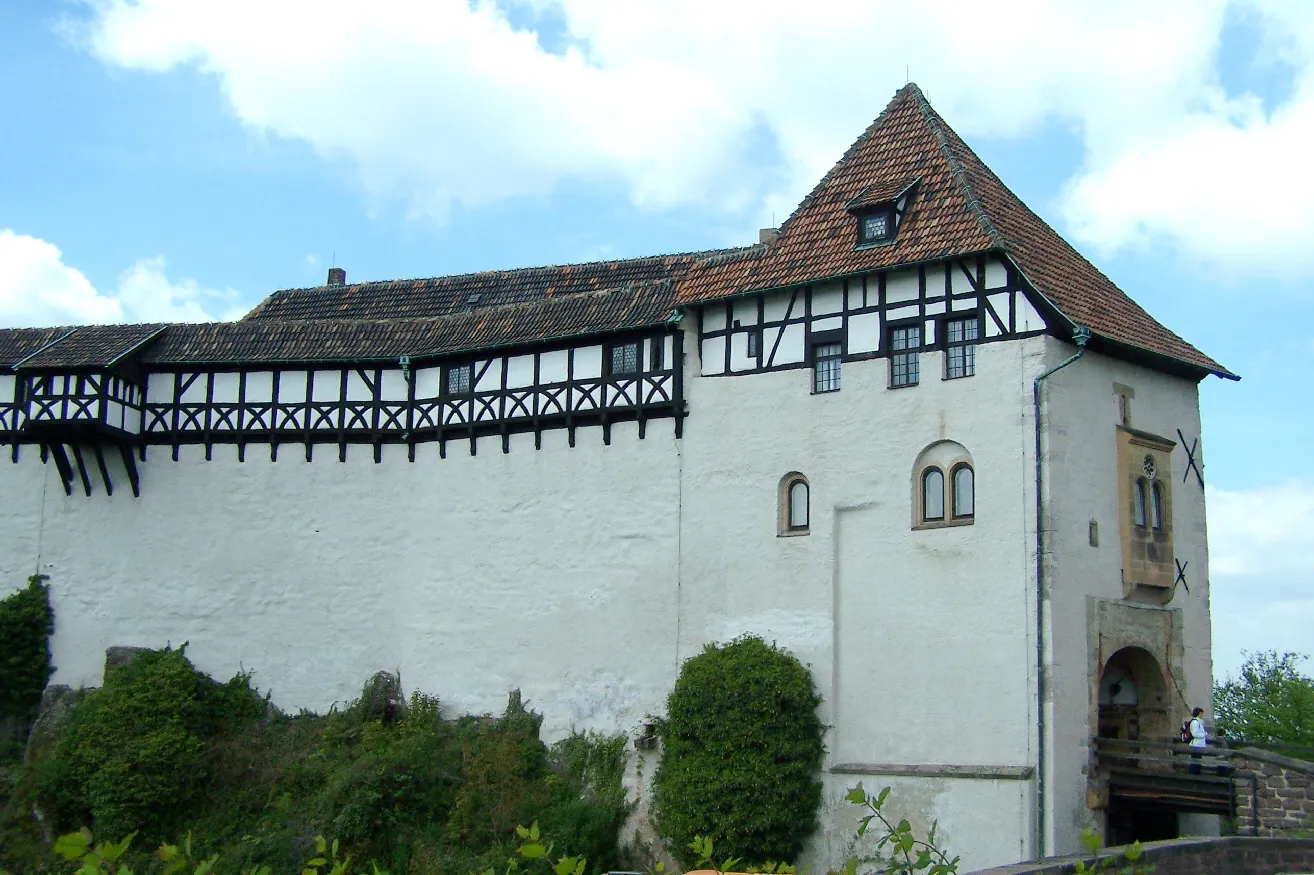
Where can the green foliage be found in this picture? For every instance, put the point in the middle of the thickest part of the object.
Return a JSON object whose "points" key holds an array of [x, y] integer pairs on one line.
{"points": [[108, 858], [1270, 702], [896, 849], [741, 747], [26, 624], [132, 757], [1127, 862], [163, 751]]}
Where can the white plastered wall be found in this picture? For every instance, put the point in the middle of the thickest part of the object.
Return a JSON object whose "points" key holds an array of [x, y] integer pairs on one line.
{"points": [[920, 641], [584, 576], [1081, 414]]}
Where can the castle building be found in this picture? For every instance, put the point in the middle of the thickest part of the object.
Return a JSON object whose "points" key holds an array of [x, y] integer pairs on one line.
{"points": [[911, 435]]}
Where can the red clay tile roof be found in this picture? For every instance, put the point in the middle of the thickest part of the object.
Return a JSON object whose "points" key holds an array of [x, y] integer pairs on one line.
{"points": [[308, 340], [446, 295], [960, 208], [880, 193], [92, 346]]}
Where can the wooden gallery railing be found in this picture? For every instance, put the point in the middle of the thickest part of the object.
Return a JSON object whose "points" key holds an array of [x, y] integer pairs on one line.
{"points": [[1157, 772]]}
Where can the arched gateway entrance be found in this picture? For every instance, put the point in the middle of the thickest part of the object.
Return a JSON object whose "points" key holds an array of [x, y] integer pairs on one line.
{"points": [[1133, 697], [1133, 706]]}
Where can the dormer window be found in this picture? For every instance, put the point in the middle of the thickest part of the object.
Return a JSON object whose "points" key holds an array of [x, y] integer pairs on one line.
{"points": [[875, 227], [880, 209]]}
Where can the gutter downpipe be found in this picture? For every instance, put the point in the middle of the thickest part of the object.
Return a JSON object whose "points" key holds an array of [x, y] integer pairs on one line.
{"points": [[1081, 336]]}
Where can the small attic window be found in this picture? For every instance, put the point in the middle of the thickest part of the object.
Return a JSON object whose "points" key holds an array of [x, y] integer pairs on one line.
{"points": [[874, 227], [879, 209]]}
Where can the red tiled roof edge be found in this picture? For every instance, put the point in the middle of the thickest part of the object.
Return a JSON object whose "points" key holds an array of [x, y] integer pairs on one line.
{"points": [[1146, 333]]}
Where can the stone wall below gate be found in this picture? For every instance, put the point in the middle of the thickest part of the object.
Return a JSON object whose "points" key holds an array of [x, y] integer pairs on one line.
{"points": [[1285, 788], [1233, 855]]}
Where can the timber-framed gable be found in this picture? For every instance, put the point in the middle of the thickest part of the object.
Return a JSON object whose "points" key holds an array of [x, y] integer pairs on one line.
{"points": [[758, 332]]}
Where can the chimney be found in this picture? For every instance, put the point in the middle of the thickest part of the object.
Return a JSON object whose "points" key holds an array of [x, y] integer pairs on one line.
{"points": [[768, 235], [337, 276]]}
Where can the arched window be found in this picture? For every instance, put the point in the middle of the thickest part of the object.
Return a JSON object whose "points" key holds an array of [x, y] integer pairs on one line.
{"points": [[943, 486], [794, 505], [1156, 506], [932, 495], [1138, 503], [964, 492]]}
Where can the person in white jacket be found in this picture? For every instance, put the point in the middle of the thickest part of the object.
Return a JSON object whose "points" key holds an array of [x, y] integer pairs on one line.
{"points": [[1199, 739]]}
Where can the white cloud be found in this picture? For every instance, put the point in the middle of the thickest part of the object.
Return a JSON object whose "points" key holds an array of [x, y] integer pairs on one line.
{"points": [[150, 296], [38, 288], [436, 101], [1261, 569]]}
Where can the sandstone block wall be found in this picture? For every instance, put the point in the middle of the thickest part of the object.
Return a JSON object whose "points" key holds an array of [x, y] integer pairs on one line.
{"points": [[1234, 855], [1281, 795]]}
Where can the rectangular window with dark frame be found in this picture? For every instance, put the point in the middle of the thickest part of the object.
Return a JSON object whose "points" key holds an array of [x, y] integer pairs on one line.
{"points": [[826, 360], [752, 343], [960, 336], [658, 348], [624, 359], [459, 379], [905, 369]]}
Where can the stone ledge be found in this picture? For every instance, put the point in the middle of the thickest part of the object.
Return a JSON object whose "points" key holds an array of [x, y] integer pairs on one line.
{"points": [[935, 770], [1277, 759]]}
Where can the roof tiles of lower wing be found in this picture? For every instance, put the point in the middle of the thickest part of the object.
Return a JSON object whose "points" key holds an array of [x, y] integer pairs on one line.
{"points": [[452, 295], [259, 341]]}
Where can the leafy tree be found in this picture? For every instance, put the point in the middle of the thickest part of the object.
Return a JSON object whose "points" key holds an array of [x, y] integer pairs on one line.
{"points": [[1270, 702]]}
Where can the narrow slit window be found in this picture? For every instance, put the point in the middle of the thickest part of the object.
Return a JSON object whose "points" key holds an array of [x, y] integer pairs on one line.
{"points": [[1156, 506], [658, 350], [624, 359], [961, 336], [459, 379], [904, 364], [752, 344], [932, 495], [1138, 504], [797, 510], [826, 360], [964, 492]]}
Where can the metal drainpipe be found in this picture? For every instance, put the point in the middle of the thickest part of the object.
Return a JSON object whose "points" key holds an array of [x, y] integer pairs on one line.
{"points": [[1080, 336]]}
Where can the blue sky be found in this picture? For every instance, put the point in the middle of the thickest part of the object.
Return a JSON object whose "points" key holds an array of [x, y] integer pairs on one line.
{"points": [[170, 160]]}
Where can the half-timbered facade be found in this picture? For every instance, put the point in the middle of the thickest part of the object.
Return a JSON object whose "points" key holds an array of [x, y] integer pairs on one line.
{"points": [[911, 434]]}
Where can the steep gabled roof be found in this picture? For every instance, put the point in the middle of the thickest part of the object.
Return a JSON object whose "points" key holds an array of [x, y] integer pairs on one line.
{"points": [[960, 208], [448, 295]]}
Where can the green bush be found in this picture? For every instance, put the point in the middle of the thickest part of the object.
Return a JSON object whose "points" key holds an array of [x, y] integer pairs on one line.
{"points": [[165, 752], [26, 624], [132, 756], [742, 744]]}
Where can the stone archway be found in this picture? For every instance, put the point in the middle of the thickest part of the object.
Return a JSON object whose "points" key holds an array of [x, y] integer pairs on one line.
{"points": [[1133, 697]]}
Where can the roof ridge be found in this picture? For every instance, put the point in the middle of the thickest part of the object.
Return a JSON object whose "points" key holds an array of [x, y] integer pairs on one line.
{"points": [[491, 310], [692, 255], [959, 172]]}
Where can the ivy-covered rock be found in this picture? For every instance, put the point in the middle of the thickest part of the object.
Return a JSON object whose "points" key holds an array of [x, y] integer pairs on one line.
{"points": [[26, 624], [741, 747]]}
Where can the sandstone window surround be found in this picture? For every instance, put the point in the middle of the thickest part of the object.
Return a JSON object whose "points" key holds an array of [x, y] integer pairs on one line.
{"points": [[944, 487], [794, 505]]}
